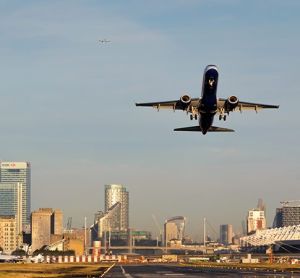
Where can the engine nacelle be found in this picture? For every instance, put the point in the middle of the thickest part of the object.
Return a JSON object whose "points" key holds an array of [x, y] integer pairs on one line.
{"points": [[231, 103], [185, 101]]}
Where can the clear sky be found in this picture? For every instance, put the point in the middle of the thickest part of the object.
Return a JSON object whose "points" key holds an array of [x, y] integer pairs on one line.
{"points": [[67, 105]]}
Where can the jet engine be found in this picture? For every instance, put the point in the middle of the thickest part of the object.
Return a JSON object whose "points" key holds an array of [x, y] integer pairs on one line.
{"points": [[231, 103], [185, 101]]}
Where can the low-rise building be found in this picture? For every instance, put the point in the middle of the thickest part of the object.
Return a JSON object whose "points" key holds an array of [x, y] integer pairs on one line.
{"points": [[9, 237]]}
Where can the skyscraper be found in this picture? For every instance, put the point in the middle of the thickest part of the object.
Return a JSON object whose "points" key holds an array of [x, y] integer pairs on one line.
{"points": [[226, 234], [116, 193], [19, 172], [11, 202]]}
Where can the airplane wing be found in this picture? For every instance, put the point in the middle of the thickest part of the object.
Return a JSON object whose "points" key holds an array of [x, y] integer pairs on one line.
{"points": [[198, 128], [242, 105], [172, 104]]}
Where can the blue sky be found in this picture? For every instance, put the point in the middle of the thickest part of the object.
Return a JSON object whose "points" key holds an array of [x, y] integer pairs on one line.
{"points": [[67, 105]]}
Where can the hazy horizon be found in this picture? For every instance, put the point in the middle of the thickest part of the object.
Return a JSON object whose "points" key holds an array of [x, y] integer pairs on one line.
{"points": [[67, 105]]}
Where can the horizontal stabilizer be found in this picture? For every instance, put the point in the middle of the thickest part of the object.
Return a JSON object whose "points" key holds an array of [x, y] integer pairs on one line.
{"points": [[198, 128]]}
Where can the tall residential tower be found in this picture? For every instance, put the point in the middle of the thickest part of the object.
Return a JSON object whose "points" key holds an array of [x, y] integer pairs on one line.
{"points": [[116, 193]]}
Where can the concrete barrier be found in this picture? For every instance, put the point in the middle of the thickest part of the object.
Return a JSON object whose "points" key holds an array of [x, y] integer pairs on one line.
{"points": [[84, 259]]}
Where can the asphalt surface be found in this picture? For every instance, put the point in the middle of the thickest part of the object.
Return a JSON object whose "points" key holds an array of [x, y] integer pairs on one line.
{"points": [[160, 270]]}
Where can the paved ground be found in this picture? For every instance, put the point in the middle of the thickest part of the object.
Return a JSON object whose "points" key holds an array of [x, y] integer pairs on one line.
{"points": [[152, 271]]}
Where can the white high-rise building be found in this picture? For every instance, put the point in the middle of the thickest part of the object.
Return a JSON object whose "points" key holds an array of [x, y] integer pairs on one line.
{"points": [[256, 220], [116, 193], [19, 172]]}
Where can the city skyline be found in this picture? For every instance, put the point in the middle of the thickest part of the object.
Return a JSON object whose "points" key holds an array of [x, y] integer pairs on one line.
{"points": [[116, 197], [67, 105]]}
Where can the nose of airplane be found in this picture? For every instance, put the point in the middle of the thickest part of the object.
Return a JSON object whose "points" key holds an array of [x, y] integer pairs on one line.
{"points": [[209, 67]]}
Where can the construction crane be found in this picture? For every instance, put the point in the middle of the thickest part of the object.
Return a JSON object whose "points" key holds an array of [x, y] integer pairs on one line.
{"points": [[158, 228]]}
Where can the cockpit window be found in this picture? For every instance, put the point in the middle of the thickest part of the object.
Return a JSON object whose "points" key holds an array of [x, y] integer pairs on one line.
{"points": [[211, 81]]}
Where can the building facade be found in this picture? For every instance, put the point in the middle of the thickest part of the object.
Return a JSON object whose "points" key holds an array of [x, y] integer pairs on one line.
{"points": [[288, 215], [110, 221], [174, 230], [43, 226], [170, 232], [116, 193], [19, 172], [256, 220], [226, 234], [57, 222], [11, 202], [9, 238]]}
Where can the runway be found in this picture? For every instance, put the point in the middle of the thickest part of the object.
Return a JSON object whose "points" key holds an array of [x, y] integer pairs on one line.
{"points": [[159, 270]]}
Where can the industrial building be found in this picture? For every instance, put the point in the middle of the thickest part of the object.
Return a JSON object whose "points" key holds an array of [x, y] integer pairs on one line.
{"points": [[19, 172]]}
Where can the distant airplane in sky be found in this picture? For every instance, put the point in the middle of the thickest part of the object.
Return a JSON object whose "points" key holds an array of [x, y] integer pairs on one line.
{"points": [[208, 105], [104, 41]]}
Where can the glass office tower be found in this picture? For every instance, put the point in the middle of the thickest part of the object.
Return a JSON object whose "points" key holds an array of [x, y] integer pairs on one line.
{"points": [[14, 173], [11, 202]]}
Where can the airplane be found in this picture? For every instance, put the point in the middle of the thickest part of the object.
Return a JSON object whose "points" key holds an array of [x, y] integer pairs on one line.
{"points": [[37, 259], [208, 105], [10, 258], [104, 41]]}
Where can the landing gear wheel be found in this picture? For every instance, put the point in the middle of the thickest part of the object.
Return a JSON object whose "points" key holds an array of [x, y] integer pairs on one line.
{"points": [[220, 117], [196, 117], [224, 118], [191, 117]]}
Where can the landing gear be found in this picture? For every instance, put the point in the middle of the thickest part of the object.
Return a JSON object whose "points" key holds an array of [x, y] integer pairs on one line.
{"points": [[192, 117], [222, 117]]}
